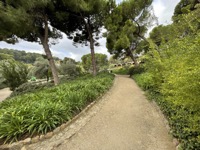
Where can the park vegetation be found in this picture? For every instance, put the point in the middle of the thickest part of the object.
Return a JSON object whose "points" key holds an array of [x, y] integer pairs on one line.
{"points": [[42, 111], [168, 68], [171, 71]]}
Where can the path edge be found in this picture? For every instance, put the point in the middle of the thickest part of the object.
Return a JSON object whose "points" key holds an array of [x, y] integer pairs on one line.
{"points": [[174, 140], [20, 145]]}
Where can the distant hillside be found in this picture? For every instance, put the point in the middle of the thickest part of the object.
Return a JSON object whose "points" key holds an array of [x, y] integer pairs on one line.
{"points": [[23, 56]]}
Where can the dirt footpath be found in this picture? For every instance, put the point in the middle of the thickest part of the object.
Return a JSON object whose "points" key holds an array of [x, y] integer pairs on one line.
{"points": [[123, 120], [4, 93]]}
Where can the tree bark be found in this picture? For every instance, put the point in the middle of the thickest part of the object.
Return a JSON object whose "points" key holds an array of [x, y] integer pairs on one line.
{"points": [[133, 58], [139, 31], [94, 67], [44, 41], [93, 57]]}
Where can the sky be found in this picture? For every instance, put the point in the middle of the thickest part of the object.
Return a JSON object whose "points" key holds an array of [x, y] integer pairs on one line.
{"points": [[163, 10]]}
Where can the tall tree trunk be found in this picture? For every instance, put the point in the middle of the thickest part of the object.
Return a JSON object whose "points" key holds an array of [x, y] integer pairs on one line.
{"points": [[44, 41], [94, 67], [93, 57], [132, 57]]}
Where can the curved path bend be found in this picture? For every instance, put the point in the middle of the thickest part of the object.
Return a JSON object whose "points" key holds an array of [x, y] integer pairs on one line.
{"points": [[122, 120]]}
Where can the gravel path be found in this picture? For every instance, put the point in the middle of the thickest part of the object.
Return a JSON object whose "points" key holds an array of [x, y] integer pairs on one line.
{"points": [[4, 93], [122, 120]]}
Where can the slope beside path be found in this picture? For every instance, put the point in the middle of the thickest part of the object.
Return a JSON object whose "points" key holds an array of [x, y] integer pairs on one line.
{"points": [[122, 120]]}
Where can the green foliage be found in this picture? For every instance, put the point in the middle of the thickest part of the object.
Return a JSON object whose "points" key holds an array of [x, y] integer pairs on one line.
{"points": [[80, 20], [162, 34], [38, 113], [33, 78], [68, 60], [144, 80], [184, 7], [121, 70], [30, 87], [70, 69], [13, 20], [40, 68], [15, 73], [21, 56], [2, 83], [66, 78], [126, 26], [101, 61], [172, 79], [5, 56], [136, 70]]}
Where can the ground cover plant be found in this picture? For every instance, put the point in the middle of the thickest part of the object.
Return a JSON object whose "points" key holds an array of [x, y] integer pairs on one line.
{"points": [[30, 87], [172, 79], [42, 111]]}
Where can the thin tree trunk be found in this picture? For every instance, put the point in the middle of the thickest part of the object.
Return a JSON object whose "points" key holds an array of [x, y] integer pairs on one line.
{"points": [[92, 50], [133, 58], [93, 57], [45, 44]]}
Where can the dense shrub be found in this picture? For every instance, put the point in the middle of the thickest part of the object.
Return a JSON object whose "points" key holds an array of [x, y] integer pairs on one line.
{"points": [[2, 83], [38, 113], [128, 70], [15, 73], [30, 87], [172, 78], [121, 71], [136, 70], [70, 69], [65, 79]]}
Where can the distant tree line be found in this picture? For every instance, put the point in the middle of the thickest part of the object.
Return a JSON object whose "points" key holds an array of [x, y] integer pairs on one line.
{"points": [[22, 56]]}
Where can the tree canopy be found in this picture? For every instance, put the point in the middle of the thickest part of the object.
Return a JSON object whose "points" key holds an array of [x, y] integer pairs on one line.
{"points": [[37, 28], [82, 21], [185, 6], [126, 25], [101, 62]]}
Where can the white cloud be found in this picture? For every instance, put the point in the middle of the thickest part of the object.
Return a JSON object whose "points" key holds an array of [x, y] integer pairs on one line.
{"points": [[159, 8], [163, 10]]}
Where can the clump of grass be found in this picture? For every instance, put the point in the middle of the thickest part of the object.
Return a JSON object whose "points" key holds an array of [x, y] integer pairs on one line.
{"points": [[42, 111]]}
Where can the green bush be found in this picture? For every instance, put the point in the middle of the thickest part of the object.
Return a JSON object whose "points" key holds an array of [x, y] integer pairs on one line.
{"points": [[29, 87], [37, 113], [144, 80], [172, 78], [65, 79], [121, 71], [15, 73], [2, 83], [136, 70], [70, 69]]}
